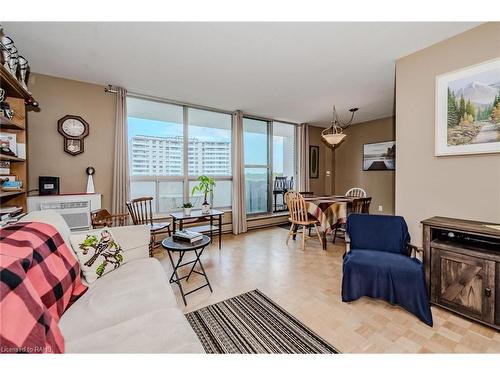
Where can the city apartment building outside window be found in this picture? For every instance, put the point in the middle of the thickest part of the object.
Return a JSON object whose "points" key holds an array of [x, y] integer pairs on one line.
{"points": [[161, 137]]}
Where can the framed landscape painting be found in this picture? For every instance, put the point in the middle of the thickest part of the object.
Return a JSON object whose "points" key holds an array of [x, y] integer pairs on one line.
{"points": [[468, 110], [379, 156]]}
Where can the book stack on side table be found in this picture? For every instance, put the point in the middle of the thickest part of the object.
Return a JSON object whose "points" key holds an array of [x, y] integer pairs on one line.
{"points": [[187, 236]]}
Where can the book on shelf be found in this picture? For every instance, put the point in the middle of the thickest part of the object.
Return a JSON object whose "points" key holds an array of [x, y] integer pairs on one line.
{"points": [[11, 185], [187, 236], [10, 210], [11, 218], [4, 167]]}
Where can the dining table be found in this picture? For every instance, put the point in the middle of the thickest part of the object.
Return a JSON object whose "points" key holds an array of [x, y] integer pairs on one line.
{"points": [[330, 211]]}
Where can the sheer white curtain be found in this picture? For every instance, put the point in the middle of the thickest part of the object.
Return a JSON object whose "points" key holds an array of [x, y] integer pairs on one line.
{"points": [[239, 207], [302, 137], [121, 182]]}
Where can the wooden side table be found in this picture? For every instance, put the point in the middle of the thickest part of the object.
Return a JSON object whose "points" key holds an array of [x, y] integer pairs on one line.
{"points": [[198, 217]]}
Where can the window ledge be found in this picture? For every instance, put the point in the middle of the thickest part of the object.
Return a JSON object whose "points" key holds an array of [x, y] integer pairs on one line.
{"points": [[267, 215]]}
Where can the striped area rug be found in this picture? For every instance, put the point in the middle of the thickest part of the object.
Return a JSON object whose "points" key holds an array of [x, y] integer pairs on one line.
{"points": [[253, 323]]}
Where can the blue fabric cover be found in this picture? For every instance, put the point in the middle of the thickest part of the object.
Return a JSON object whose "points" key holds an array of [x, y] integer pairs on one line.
{"points": [[388, 274], [378, 232]]}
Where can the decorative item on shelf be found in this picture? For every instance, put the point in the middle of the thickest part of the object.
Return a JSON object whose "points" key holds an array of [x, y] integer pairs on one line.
{"points": [[5, 110], [334, 135], [4, 167], [4, 106], [468, 110], [31, 102], [14, 60], [8, 144], [23, 72], [4, 179], [12, 185], [21, 150], [5, 44], [187, 208], [7, 178], [73, 129], [204, 186], [90, 180]]}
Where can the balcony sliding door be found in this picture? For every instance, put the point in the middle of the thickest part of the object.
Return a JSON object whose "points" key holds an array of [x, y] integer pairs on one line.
{"points": [[257, 165]]}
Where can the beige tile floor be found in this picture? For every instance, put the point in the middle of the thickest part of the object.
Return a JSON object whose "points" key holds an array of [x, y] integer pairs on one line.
{"points": [[307, 284]]}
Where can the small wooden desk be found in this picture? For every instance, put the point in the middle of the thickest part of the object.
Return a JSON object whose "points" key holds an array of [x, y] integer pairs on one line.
{"points": [[198, 217]]}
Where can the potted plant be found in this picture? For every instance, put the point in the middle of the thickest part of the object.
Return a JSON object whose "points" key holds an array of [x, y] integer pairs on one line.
{"points": [[187, 208], [204, 186]]}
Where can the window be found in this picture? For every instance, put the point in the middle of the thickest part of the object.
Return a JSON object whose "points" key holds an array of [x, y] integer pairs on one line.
{"points": [[283, 155], [261, 140], [152, 126], [256, 150], [170, 146], [209, 153]]}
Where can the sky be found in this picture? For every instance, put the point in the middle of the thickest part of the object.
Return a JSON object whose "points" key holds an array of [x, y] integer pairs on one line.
{"points": [[255, 143], [376, 149], [489, 77]]}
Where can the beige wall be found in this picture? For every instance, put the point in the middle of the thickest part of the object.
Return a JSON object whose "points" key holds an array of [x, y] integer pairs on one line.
{"points": [[349, 169], [465, 187], [324, 184], [59, 97]]}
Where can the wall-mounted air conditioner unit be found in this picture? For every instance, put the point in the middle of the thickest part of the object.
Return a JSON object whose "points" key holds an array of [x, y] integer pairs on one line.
{"points": [[76, 213]]}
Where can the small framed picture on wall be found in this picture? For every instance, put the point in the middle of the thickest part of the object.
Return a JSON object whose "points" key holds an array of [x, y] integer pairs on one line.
{"points": [[313, 161], [379, 156]]}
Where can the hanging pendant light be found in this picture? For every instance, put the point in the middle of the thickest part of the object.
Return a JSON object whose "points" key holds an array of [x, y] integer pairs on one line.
{"points": [[334, 135]]}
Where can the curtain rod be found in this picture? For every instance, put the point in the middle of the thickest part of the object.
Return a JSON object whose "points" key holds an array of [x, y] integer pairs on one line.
{"points": [[111, 90]]}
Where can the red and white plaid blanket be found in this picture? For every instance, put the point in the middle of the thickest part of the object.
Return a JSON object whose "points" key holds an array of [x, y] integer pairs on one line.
{"points": [[39, 280]]}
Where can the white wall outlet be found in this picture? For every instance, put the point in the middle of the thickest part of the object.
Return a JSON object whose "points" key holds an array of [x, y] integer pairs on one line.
{"points": [[380, 208]]}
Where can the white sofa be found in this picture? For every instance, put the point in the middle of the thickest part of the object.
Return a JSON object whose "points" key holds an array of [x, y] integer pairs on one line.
{"points": [[129, 310]]}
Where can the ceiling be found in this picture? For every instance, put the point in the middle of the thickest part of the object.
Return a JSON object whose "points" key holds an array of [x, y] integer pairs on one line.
{"points": [[287, 71]]}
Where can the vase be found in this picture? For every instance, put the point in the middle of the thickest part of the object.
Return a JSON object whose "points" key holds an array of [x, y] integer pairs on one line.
{"points": [[187, 211], [205, 208]]}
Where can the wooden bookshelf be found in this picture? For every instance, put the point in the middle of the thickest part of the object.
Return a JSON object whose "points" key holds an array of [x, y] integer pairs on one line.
{"points": [[12, 86], [6, 194], [11, 158], [6, 123], [16, 97]]}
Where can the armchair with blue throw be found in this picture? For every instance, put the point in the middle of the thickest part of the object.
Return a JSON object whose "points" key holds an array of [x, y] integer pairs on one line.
{"points": [[379, 264]]}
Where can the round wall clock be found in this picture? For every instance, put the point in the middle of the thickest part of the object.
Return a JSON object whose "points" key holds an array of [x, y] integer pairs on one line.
{"points": [[73, 129]]}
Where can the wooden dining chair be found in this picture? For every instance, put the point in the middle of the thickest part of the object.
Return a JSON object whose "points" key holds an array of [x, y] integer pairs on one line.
{"points": [[141, 212], [306, 193], [299, 217], [356, 206], [356, 192], [359, 206], [103, 218]]}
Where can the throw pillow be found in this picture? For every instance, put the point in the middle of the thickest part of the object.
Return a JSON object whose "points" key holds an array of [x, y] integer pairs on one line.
{"points": [[98, 253]]}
